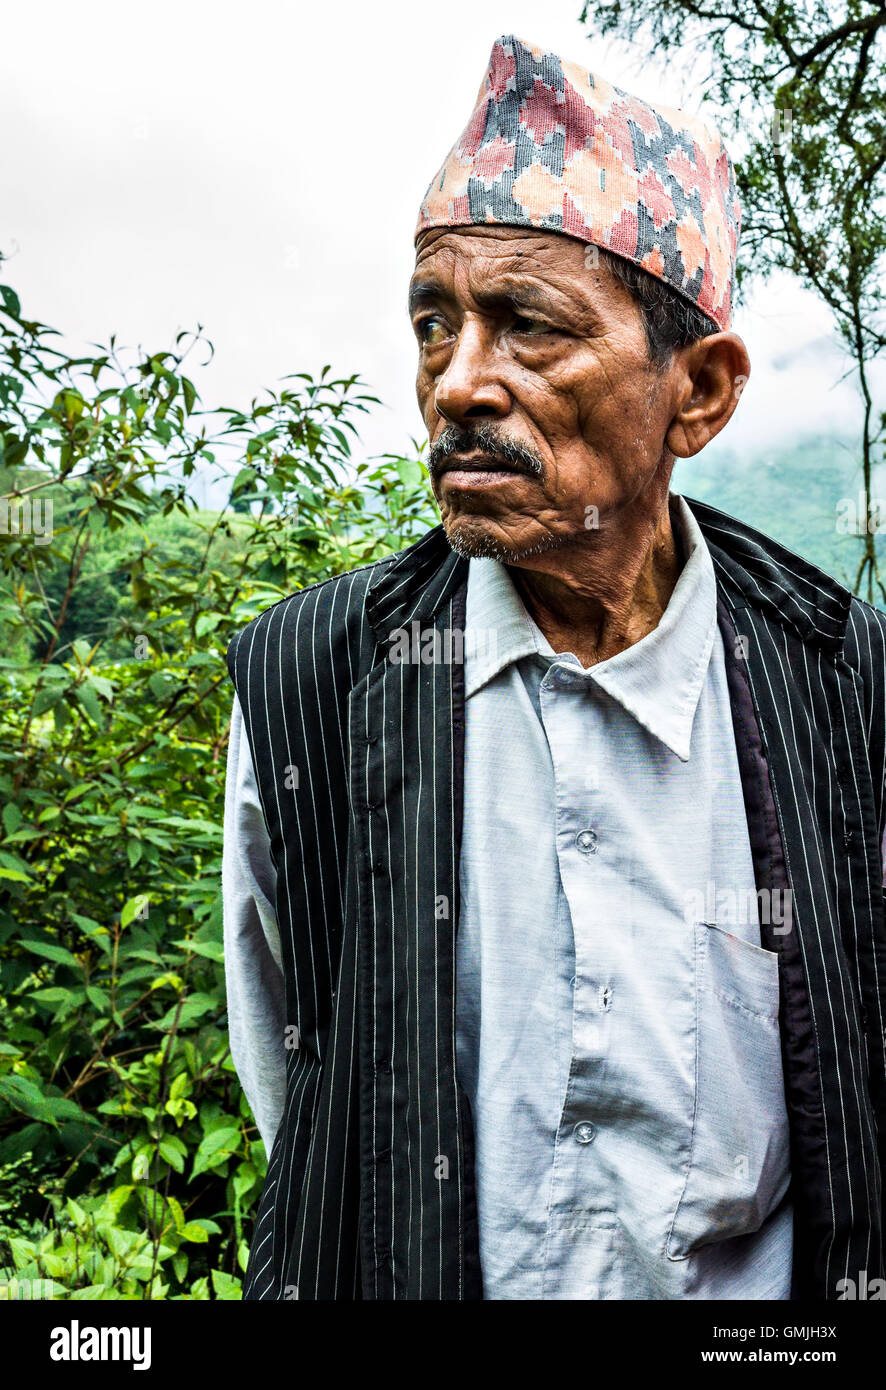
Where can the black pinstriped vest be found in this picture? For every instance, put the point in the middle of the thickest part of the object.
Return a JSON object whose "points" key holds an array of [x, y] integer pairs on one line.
{"points": [[370, 1190]]}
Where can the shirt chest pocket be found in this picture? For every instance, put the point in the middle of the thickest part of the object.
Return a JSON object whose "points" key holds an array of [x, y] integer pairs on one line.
{"points": [[738, 1167]]}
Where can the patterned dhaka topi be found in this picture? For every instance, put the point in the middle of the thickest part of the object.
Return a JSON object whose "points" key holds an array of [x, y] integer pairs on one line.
{"points": [[553, 146]]}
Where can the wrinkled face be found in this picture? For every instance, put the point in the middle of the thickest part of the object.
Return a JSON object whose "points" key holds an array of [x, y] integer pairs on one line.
{"points": [[535, 385]]}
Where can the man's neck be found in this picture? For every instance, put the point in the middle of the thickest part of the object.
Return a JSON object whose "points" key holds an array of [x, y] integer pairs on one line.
{"points": [[608, 591]]}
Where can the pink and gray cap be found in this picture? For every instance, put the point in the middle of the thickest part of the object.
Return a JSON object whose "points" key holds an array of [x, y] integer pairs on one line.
{"points": [[555, 147]]}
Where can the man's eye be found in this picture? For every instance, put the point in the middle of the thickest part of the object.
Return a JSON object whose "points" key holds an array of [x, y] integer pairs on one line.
{"points": [[432, 331], [532, 326]]}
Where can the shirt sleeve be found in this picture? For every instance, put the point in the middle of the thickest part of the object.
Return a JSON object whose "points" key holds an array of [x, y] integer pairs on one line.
{"points": [[253, 968]]}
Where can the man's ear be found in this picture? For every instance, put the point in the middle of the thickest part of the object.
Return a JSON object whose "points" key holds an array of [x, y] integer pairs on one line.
{"points": [[715, 371]]}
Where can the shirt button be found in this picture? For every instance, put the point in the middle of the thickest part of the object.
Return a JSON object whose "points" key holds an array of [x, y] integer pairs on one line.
{"points": [[584, 1132], [586, 841]]}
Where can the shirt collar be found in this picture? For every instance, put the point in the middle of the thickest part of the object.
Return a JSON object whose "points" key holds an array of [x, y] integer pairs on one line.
{"points": [[658, 680]]}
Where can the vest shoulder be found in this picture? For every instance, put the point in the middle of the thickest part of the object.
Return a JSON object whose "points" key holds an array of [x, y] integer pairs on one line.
{"points": [[742, 541], [339, 600], [866, 636], [864, 645]]}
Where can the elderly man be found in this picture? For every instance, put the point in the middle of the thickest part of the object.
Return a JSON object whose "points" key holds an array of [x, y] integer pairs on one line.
{"points": [[553, 873]]}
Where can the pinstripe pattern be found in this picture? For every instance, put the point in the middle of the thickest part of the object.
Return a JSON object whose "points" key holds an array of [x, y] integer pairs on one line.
{"points": [[369, 1191]]}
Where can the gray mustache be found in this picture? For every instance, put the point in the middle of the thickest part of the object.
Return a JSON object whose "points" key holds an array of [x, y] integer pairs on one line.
{"points": [[482, 439]]}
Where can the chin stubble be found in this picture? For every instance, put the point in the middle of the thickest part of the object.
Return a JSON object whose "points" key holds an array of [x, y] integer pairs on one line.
{"points": [[479, 545]]}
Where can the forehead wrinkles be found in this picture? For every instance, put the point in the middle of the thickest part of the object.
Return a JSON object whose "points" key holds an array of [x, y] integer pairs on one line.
{"points": [[496, 247]]}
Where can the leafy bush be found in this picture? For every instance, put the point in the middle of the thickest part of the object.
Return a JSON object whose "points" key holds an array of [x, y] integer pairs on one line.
{"points": [[130, 1164]]}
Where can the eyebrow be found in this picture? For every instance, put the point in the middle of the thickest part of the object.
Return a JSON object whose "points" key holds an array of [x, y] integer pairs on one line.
{"points": [[517, 293], [425, 292], [522, 293]]}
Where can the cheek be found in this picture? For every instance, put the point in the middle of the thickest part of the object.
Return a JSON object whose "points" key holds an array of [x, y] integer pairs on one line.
{"points": [[620, 417], [426, 385], [424, 392]]}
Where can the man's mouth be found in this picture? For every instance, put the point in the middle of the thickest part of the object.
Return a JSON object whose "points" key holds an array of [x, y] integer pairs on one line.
{"points": [[479, 463]]}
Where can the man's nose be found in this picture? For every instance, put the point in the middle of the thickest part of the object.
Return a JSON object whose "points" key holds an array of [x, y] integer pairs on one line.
{"points": [[470, 388]]}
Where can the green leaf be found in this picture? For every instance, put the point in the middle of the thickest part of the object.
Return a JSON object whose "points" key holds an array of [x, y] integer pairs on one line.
{"points": [[244, 1178], [133, 907], [216, 1148], [212, 1227], [11, 303], [117, 1199], [245, 478], [206, 622], [52, 952], [173, 1155], [195, 1233], [89, 700], [180, 1087], [410, 472], [14, 862], [16, 1145], [23, 1251], [210, 828], [76, 1213], [54, 995], [26, 1096], [194, 1007], [178, 1215], [225, 1285], [212, 950], [141, 1163]]}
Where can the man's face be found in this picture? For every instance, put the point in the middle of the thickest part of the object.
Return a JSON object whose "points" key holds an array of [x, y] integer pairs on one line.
{"points": [[535, 384]]}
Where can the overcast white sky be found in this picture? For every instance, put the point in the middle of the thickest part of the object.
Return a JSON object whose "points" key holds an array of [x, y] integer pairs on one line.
{"points": [[258, 169]]}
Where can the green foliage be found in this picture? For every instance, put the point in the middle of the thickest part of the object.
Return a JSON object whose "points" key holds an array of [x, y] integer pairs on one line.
{"points": [[795, 493], [129, 1243], [130, 1164]]}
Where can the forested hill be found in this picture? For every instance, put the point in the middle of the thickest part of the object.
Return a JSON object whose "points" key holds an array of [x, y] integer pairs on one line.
{"points": [[806, 497]]}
